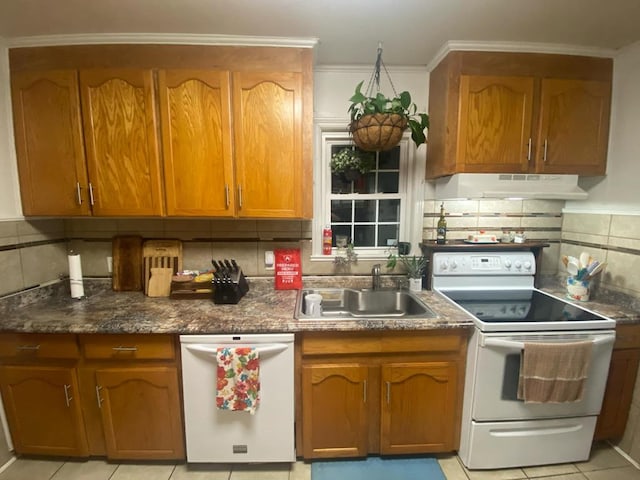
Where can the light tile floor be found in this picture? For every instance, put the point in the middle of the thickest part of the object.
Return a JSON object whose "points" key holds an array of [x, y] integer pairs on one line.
{"points": [[605, 464]]}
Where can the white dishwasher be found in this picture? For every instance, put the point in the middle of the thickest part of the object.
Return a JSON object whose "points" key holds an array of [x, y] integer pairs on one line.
{"points": [[214, 435]]}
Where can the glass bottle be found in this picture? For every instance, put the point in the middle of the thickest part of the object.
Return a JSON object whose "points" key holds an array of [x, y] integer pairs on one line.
{"points": [[441, 235]]}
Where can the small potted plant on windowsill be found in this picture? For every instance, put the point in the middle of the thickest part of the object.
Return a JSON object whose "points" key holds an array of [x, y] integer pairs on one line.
{"points": [[351, 163], [414, 266], [377, 123]]}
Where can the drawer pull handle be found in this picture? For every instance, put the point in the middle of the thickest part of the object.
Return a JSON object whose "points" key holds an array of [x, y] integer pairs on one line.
{"points": [[28, 347], [388, 392], [125, 349], [67, 397], [98, 397], [364, 392]]}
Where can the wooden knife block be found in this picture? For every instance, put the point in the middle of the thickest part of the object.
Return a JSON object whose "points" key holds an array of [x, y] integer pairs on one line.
{"points": [[166, 256]]}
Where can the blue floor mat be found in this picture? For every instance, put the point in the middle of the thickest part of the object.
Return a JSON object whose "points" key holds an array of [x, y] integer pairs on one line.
{"points": [[376, 468]]}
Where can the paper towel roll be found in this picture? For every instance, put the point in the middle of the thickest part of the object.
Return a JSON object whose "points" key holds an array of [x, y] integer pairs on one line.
{"points": [[75, 275]]}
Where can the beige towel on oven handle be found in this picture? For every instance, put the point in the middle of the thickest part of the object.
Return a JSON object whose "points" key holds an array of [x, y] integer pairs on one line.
{"points": [[554, 372]]}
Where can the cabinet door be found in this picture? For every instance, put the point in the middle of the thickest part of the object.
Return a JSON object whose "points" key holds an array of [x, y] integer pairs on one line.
{"points": [[335, 413], [495, 124], [122, 147], [574, 126], [267, 124], [43, 410], [196, 137], [612, 420], [141, 413], [49, 143], [418, 411]]}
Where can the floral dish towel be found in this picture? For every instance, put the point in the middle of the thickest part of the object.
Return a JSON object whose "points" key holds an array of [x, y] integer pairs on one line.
{"points": [[238, 386]]}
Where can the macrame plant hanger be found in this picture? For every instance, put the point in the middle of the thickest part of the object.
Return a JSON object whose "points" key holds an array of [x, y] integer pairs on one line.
{"points": [[381, 131]]}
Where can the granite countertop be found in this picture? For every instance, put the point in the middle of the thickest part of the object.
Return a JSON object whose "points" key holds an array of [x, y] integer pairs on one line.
{"points": [[50, 309], [263, 309]]}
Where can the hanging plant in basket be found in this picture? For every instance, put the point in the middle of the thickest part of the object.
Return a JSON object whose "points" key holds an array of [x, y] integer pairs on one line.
{"points": [[378, 122], [352, 163]]}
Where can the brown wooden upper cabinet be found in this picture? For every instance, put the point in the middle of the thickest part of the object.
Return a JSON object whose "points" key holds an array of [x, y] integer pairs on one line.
{"points": [[519, 113], [253, 169], [50, 143], [154, 130]]}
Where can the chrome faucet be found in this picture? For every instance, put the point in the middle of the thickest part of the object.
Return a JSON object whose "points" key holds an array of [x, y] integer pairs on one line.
{"points": [[375, 277]]}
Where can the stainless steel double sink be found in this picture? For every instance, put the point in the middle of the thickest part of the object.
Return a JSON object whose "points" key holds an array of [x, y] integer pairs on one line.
{"points": [[352, 303]]}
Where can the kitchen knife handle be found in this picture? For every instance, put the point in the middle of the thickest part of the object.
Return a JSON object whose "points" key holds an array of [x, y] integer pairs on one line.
{"points": [[79, 193], [240, 196], [529, 150], [544, 155], [91, 200], [226, 196]]}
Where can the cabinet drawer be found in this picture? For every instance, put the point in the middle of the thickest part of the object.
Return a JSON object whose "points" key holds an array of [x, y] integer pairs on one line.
{"points": [[28, 346], [322, 343], [128, 347]]}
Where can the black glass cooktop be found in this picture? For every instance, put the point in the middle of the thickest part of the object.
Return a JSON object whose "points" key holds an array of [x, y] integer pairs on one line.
{"points": [[493, 306]]}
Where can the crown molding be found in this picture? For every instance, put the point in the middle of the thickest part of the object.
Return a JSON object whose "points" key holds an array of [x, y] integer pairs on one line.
{"points": [[518, 47], [159, 38]]}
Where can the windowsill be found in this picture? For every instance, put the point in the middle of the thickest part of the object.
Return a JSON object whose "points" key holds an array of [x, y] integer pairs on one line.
{"points": [[329, 258]]}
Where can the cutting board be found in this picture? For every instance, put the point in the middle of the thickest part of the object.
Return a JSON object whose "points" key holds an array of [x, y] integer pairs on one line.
{"points": [[160, 282], [160, 254], [127, 263]]}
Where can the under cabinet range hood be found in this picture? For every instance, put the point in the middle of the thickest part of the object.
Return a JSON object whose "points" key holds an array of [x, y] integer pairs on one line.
{"points": [[507, 185]]}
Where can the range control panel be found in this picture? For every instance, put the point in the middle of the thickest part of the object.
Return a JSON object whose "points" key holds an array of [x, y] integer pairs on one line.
{"points": [[485, 263]]}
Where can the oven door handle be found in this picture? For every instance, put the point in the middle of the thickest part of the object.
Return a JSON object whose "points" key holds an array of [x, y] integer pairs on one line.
{"points": [[498, 342]]}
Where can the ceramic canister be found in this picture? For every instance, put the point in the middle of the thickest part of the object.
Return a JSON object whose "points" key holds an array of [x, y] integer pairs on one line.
{"points": [[577, 289]]}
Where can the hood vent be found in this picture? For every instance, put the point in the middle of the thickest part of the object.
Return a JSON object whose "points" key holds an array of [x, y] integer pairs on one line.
{"points": [[503, 185]]}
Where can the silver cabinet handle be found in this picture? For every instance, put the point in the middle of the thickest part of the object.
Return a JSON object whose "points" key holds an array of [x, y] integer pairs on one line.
{"points": [[79, 193], [124, 349], [98, 397], [529, 150], [240, 196], [544, 155], [388, 392], [67, 397], [91, 199], [226, 196], [28, 347], [364, 392]]}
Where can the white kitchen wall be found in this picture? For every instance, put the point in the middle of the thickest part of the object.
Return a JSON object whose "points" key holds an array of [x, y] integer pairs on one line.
{"points": [[9, 193], [619, 191]]}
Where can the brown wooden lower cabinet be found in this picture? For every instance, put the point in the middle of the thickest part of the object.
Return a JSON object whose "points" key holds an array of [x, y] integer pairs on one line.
{"points": [[93, 395], [386, 393], [623, 370], [43, 410]]}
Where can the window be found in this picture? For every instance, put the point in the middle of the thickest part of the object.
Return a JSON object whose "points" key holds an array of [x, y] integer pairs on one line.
{"points": [[374, 210]]}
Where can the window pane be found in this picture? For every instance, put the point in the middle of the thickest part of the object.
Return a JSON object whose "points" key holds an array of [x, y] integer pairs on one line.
{"points": [[387, 235], [366, 183], [388, 182], [339, 184], [340, 230], [390, 160], [365, 211], [364, 235], [341, 210], [389, 211]]}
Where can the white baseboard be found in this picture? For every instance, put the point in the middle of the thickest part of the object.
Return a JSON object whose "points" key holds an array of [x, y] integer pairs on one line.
{"points": [[625, 455], [8, 464]]}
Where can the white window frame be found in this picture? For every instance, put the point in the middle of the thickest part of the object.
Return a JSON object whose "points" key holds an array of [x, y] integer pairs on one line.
{"points": [[411, 191]]}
